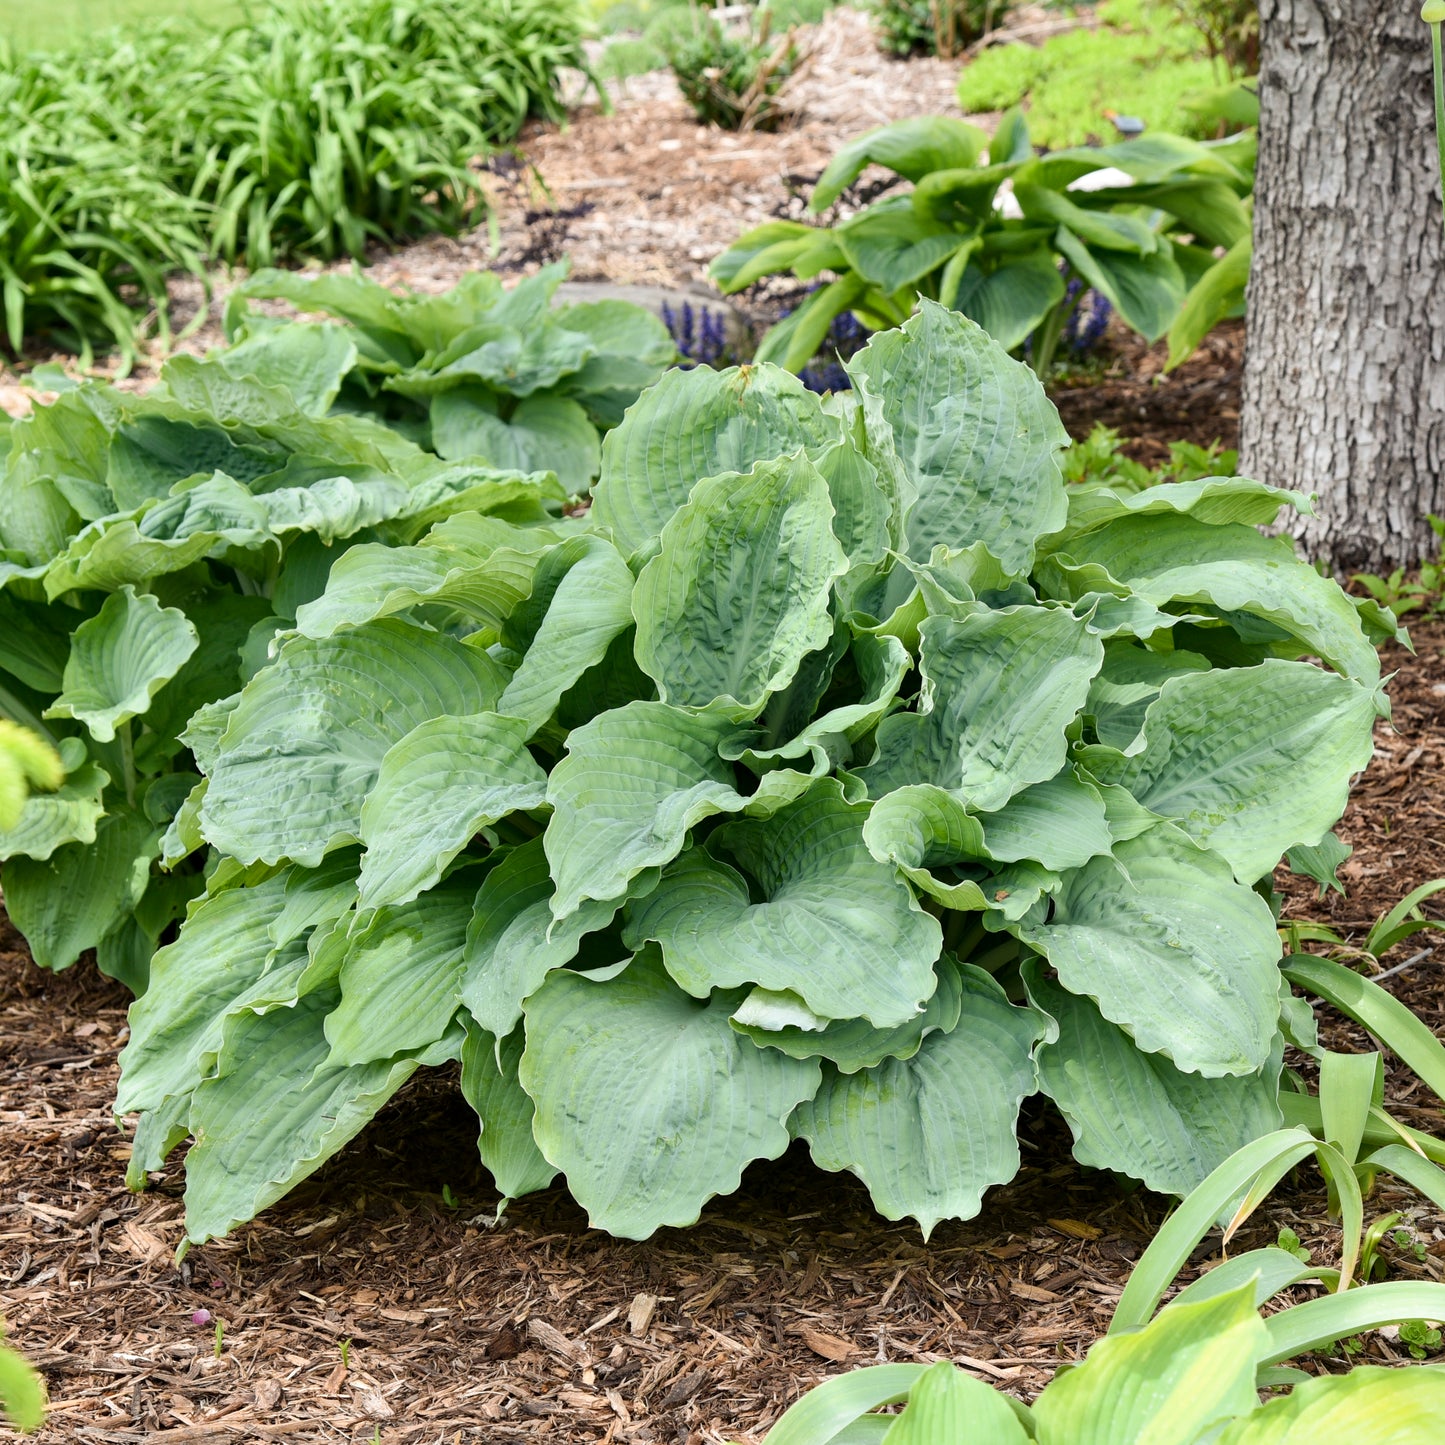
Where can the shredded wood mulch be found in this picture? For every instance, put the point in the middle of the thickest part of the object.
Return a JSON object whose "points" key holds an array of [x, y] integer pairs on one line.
{"points": [[381, 1302]]}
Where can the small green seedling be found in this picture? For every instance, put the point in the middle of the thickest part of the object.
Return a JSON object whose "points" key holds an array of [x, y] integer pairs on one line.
{"points": [[449, 1199], [345, 1347], [1289, 1242], [220, 1338], [1433, 14], [1420, 1338]]}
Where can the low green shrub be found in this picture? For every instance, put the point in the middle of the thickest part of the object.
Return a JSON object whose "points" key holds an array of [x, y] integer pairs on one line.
{"points": [[839, 775], [1099, 460], [154, 546], [1142, 239], [1142, 58], [934, 27], [311, 129], [89, 225], [731, 80]]}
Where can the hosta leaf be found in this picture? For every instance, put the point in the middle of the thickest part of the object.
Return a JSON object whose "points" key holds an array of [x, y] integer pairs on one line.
{"points": [[1172, 949], [881, 664], [739, 592], [276, 1116], [223, 949], [1135, 1112], [581, 600], [1368, 1406], [862, 508], [625, 1072], [695, 424], [1061, 824], [119, 659], [929, 1134], [489, 1084], [633, 782], [892, 247], [512, 942], [1165, 558], [837, 928], [477, 566], [305, 743], [912, 147], [1011, 300], [51, 820], [1192, 1368], [542, 434], [1003, 687], [946, 1404], [1248, 761], [1215, 500], [1127, 683], [1147, 291], [435, 791], [71, 900], [401, 978], [783, 1021], [976, 432], [307, 359]]}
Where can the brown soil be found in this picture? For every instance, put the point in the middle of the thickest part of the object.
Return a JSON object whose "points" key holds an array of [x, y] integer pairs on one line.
{"points": [[540, 1328]]}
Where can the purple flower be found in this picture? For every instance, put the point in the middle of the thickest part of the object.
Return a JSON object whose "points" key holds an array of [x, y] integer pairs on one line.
{"points": [[201, 1317]]}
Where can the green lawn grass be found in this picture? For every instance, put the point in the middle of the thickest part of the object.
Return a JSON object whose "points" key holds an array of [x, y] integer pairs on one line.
{"points": [[54, 24]]}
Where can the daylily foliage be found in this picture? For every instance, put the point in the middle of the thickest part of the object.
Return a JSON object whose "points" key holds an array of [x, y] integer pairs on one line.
{"points": [[838, 776]]}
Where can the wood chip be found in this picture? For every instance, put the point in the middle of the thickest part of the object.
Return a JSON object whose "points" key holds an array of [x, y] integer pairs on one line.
{"points": [[1076, 1228], [1032, 1292], [268, 1394], [831, 1347], [551, 1338], [370, 1403], [639, 1313]]}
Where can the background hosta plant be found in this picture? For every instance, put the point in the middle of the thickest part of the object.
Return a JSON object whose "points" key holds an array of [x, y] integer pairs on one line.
{"points": [[838, 777], [479, 371], [1136, 222], [153, 547]]}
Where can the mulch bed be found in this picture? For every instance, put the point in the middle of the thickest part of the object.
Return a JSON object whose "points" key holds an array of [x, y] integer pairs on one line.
{"points": [[380, 1302], [367, 1306]]}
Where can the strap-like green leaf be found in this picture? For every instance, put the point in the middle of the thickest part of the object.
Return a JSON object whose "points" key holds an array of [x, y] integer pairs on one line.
{"points": [[739, 592], [633, 782], [119, 659], [947, 1405], [976, 432], [1135, 1112], [437, 788], [835, 927], [625, 1072], [929, 1134], [1368, 1406], [1192, 1368], [1248, 761], [305, 743]]}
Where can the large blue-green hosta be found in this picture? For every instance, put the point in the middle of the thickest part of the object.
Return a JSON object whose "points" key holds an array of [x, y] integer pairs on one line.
{"points": [[838, 776]]}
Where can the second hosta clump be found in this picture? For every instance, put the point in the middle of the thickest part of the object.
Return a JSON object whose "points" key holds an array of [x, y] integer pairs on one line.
{"points": [[838, 776]]}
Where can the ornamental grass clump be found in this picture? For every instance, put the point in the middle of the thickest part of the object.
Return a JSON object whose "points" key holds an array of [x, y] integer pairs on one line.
{"points": [[838, 776]]}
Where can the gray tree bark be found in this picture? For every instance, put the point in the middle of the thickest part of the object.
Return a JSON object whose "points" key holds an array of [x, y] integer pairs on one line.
{"points": [[1344, 377]]}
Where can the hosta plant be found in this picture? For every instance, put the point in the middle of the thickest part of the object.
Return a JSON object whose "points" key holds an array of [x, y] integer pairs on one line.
{"points": [[1189, 1374], [154, 546], [479, 371], [1135, 222], [836, 777]]}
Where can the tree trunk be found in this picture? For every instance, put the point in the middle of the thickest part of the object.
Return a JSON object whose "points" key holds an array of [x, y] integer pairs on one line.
{"points": [[1344, 377]]}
